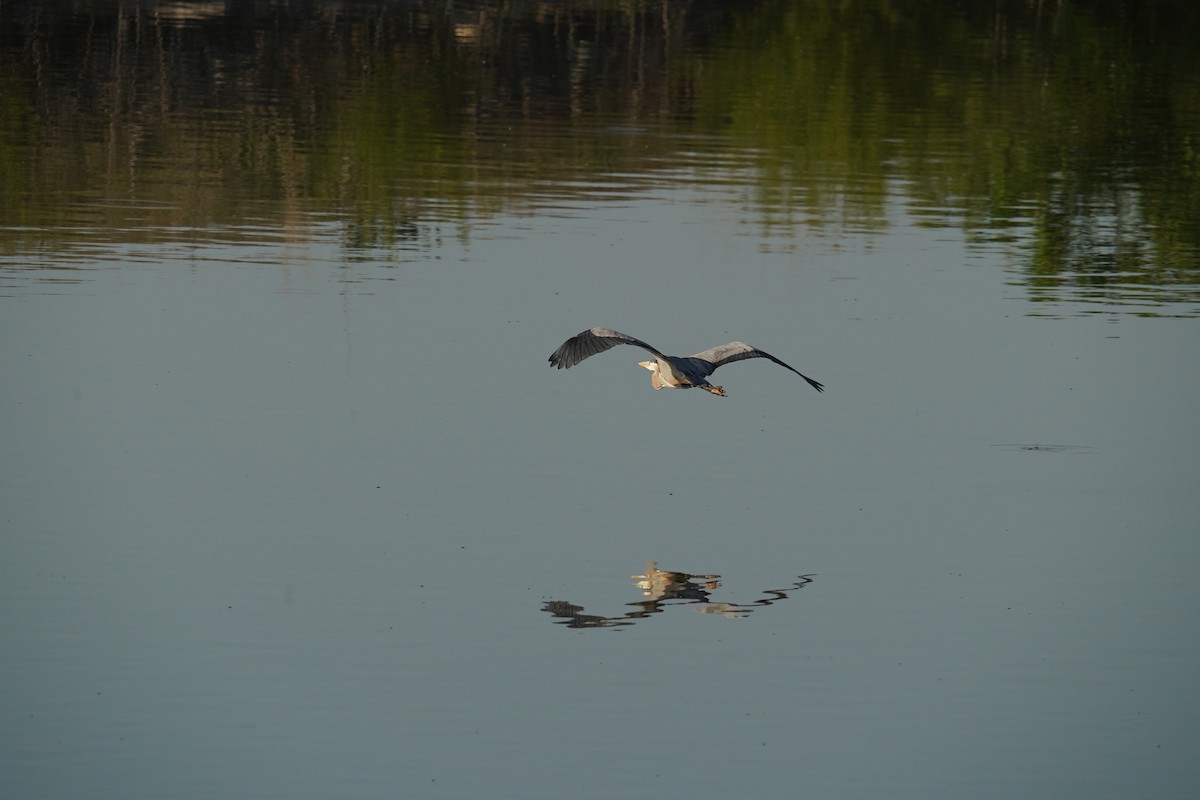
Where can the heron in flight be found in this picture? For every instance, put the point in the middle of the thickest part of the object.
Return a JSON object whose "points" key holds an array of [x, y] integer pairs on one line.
{"points": [[674, 372]]}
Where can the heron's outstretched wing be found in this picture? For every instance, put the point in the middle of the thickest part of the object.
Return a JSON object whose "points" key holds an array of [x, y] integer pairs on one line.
{"points": [[591, 342], [709, 360]]}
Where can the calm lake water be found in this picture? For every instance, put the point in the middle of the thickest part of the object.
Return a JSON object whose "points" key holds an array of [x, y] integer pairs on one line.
{"points": [[293, 505]]}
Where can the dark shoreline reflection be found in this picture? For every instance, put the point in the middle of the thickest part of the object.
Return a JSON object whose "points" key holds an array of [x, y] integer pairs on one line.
{"points": [[666, 588], [1064, 135]]}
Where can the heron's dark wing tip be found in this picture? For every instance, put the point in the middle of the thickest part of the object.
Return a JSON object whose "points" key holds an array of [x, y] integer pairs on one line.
{"points": [[590, 342]]}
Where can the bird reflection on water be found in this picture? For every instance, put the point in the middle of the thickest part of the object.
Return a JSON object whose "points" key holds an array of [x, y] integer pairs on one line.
{"points": [[663, 588]]}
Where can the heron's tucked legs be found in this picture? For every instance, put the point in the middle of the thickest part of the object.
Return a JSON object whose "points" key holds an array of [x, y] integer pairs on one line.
{"points": [[717, 390]]}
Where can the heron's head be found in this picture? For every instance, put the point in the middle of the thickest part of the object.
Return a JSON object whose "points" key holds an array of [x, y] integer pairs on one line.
{"points": [[650, 365]]}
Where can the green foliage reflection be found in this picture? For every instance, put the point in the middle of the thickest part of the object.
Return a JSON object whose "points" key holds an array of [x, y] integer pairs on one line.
{"points": [[1065, 132]]}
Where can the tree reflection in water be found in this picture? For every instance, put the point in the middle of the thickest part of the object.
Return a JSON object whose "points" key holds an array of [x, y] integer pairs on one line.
{"points": [[664, 588], [1062, 135]]}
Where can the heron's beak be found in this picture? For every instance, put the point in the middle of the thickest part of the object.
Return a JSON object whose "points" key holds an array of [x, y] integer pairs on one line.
{"points": [[650, 365]]}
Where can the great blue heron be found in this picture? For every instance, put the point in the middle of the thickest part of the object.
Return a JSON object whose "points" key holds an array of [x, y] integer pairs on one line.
{"points": [[674, 372]]}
